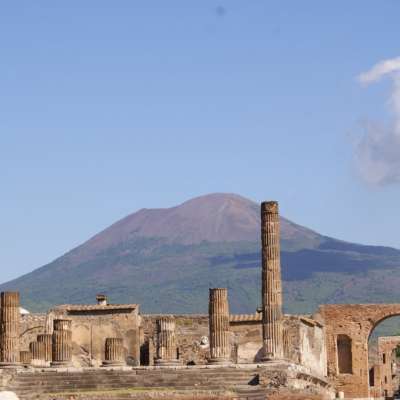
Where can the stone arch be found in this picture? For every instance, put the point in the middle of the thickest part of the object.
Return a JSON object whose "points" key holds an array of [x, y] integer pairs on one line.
{"points": [[357, 321], [29, 335]]}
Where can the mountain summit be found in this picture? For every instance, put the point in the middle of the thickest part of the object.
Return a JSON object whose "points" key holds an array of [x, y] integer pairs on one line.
{"points": [[166, 259], [216, 217]]}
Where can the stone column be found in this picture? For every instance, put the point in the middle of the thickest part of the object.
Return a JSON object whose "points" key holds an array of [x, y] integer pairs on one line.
{"points": [[114, 352], [38, 353], [25, 357], [62, 343], [9, 329], [218, 312], [47, 339], [166, 342], [271, 282]]}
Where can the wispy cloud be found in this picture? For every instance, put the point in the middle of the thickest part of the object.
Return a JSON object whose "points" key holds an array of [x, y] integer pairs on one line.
{"points": [[378, 150]]}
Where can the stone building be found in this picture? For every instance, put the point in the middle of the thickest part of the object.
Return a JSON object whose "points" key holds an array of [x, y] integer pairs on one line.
{"points": [[91, 325]]}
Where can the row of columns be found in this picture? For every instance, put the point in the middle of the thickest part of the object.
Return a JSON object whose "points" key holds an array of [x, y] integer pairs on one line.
{"points": [[220, 349], [57, 347]]}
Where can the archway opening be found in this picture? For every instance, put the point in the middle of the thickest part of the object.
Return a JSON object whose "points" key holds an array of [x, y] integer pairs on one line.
{"points": [[345, 355], [383, 359]]}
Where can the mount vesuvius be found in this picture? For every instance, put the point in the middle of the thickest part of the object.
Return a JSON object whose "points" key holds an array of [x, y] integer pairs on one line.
{"points": [[166, 259]]}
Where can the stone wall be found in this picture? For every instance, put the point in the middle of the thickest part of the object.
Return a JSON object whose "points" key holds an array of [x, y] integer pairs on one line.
{"points": [[31, 326], [356, 322], [92, 324], [305, 342], [385, 379], [304, 336], [191, 337]]}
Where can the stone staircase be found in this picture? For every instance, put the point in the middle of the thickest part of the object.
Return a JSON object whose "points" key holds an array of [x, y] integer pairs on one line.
{"points": [[47, 384]]}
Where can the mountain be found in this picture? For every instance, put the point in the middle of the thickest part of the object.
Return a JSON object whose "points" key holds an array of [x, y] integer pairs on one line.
{"points": [[166, 259]]}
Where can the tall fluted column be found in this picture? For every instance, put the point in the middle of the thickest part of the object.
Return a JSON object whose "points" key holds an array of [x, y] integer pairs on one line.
{"points": [[62, 343], [38, 352], [218, 312], [47, 339], [114, 352], [271, 282], [166, 342], [9, 329]]}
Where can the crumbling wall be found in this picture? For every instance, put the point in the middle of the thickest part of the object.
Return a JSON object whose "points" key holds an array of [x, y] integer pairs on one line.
{"points": [[91, 325], [305, 340], [191, 337], [31, 326], [312, 349], [356, 321]]}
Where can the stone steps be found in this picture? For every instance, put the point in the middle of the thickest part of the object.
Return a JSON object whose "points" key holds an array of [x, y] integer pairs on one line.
{"points": [[28, 384], [252, 379]]}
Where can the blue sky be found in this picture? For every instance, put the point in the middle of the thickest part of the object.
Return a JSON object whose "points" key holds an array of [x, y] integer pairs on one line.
{"points": [[107, 107]]}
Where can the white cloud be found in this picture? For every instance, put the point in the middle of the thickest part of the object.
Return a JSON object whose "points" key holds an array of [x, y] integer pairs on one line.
{"points": [[379, 70], [378, 150]]}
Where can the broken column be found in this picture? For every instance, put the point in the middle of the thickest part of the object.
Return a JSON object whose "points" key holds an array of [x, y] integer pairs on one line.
{"points": [[218, 311], [271, 282], [38, 354], [47, 339], [62, 343], [9, 329], [25, 357], [166, 342], [114, 352]]}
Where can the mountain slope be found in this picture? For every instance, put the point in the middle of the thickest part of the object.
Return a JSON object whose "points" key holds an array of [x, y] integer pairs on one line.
{"points": [[166, 259]]}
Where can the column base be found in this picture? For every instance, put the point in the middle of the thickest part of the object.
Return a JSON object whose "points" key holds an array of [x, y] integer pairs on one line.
{"points": [[167, 363], [270, 358], [113, 364], [6, 365], [219, 361], [60, 364]]}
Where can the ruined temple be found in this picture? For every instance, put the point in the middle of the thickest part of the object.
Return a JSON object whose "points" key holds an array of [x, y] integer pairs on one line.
{"points": [[104, 347]]}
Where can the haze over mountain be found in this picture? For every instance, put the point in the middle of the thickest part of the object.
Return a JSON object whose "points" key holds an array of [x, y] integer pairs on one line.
{"points": [[166, 259]]}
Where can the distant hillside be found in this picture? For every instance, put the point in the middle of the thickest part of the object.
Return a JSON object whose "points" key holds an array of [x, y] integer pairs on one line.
{"points": [[166, 259]]}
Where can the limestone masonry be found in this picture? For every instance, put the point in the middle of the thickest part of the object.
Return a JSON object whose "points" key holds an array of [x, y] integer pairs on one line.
{"points": [[106, 350]]}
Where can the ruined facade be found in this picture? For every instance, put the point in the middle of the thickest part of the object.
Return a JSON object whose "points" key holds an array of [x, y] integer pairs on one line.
{"points": [[92, 324], [348, 328]]}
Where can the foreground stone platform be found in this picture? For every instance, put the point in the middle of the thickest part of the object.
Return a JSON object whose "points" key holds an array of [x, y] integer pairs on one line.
{"points": [[250, 381]]}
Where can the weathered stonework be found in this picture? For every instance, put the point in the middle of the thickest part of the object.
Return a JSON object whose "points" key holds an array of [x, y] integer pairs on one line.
{"points": [[62, 346], [38, 353], [383, 377], [91, 324], [25, 357], [47, 340], [31, 325], [271, 282], [114, 352], [9, 329], [305, 335], [191, 333], [218, 312], [353, 322], [166, 341]]}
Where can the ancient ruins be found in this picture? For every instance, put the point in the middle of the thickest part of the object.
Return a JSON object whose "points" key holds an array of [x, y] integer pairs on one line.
{"points": [[103, 350]]}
